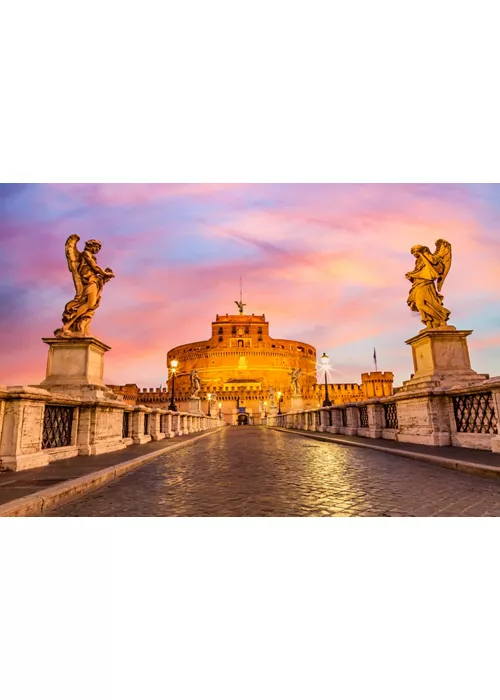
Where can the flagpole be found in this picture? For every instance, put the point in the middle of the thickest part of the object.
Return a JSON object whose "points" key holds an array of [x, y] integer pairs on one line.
{"points": [[375, 359]]}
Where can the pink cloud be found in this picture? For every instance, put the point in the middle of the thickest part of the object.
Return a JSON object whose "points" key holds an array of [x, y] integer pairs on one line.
{"points": [[138, 194]]}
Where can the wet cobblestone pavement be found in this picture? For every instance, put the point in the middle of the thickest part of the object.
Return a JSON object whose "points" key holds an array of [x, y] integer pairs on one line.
{"points": [[251, 471]]}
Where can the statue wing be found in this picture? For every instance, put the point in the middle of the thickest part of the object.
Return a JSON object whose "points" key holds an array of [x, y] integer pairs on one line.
{"points": [[73, 258], [443, 251]]}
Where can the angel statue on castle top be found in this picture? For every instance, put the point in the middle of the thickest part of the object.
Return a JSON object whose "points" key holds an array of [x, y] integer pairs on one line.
{"points": [[427, 281], [89, 280]]}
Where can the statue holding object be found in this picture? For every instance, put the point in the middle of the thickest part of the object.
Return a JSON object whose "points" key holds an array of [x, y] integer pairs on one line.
{"points": [[427, 281], [89, 280], [195, 383], [294, 380]]}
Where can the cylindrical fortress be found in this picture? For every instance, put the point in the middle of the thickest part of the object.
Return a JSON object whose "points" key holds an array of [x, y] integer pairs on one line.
{"points": [[239, 365], [240, 362]]}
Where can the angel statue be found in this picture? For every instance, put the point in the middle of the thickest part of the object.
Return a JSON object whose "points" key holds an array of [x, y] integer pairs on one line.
{"points": [[195, 383], [294, 380], [271, 395], [240, 306], [89, 279], [427, 281]]}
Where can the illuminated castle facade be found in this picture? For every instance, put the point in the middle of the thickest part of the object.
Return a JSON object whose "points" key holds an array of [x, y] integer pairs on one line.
{"points": [[241, 364]]}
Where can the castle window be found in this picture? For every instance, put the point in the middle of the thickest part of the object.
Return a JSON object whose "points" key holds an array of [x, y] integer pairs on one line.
{"points": [[233, 330], [247, 329], [240, 343], [221, 330], [259, 338], [220, 339], [259, 330], [273, 346]]}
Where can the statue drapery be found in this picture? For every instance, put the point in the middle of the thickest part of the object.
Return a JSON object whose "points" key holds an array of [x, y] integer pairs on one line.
{"points": [[427, 280], [89, 280]]}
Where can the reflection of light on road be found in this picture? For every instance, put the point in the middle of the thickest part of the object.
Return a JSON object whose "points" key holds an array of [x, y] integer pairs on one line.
{"points": [[327, 468]]}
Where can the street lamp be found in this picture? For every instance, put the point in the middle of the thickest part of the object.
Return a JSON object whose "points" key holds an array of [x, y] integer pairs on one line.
{"points": [[173, 367], [209, 398], [279, 403], [265, 409], [324, 360]]}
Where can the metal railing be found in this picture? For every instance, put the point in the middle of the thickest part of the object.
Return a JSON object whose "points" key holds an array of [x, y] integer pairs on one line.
{"points": [[391, 416], [57, 424], [126, 424], [163, 422], [363, 416], [475, 413], [343, 417]]}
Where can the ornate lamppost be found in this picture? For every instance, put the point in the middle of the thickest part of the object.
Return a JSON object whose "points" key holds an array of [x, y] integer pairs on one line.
{"points": [[279, 403], [324, 360], [173, 367], [209, 399]]}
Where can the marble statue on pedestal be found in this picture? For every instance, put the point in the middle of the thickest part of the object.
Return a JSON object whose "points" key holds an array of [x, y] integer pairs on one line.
{"points": [[294, 381], [427, 280], [195, 384], [89, 280]]}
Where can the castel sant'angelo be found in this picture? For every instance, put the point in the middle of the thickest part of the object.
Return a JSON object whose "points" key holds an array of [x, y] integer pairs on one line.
{"points": [[248, 374]]}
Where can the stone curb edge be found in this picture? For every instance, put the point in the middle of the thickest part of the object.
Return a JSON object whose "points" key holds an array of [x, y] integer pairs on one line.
{"points": [[38, 503], [457, 464]]}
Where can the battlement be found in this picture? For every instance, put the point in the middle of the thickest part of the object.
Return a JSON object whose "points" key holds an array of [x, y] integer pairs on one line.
{"points": [[377, 376], [240, 318]]}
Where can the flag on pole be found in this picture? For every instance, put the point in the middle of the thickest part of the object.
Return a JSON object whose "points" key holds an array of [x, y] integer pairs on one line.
{"points": [[375, 358]]}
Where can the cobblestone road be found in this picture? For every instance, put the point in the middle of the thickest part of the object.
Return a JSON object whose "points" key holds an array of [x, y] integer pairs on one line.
{"points": [[250, 471]]}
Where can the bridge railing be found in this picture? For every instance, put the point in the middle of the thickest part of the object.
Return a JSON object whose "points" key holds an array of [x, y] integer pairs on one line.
{"points": [[38, 427], [462, 417]]}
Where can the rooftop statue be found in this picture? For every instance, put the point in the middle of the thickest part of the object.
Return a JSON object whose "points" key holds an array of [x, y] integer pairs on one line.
{"points": [[240, 306], [427, 281], [89, 279]]}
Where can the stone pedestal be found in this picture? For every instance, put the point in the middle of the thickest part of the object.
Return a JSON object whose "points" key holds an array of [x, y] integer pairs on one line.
{"points": [[441, 359], [297, 403], [194, 405], [74, 364]]}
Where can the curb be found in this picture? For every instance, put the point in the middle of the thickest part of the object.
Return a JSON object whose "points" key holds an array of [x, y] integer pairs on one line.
{"points": [[460, 465], [38, 503]]}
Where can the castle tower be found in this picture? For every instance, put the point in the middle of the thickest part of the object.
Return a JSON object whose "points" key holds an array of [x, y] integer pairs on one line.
{"points": [[377, 384]]}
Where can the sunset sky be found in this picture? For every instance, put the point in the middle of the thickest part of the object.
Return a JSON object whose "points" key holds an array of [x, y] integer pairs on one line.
{"points": [[325, 263]]}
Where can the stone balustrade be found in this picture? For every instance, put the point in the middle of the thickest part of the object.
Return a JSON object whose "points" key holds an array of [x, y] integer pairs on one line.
{"points": [[39, 426], [466, 416]]}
